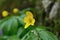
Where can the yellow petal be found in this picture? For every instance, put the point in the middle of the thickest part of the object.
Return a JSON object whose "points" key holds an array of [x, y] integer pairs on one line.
{"points": [[33, 21], [27, 25], [29, 20], [26, 20], [29, 14]]}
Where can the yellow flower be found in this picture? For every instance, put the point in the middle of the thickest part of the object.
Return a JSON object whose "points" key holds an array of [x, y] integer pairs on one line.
{"points": [[5, 13], [29, 20], [29, 14], [15, 10]]}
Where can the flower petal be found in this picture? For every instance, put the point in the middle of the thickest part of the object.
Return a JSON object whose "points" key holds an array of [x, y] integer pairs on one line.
{"points": [[33, 21], [27, 25], [26, 20], [29, 14]]}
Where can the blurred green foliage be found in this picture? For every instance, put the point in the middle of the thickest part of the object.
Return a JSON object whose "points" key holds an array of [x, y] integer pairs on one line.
{"points": [[13, 25], [13, 29]]}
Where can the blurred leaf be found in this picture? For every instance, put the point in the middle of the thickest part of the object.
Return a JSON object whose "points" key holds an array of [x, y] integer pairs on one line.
{"points": [[21, 19], [20, 30], [39, 34], [31, 35], [3, 22], [3, 37], [11, 26], [13, 38], [45, 35]]}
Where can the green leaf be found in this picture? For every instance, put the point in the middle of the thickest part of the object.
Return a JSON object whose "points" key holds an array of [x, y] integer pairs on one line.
{"points": [[13, 38], [21, 19], [9, 26], [20, 30], [12, 26], [39, 33], [3, 37], [3, 22], [24, 31], [31, 35]]}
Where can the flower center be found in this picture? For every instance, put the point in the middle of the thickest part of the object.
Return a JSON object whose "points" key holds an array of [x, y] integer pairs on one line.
{"points": [[30, 20]]}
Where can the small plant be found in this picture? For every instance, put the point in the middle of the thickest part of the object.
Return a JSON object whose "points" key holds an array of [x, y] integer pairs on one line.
{"points": [[21, 27]]}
